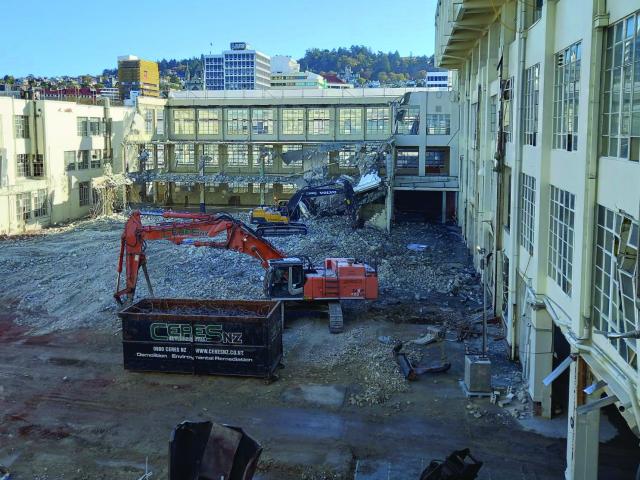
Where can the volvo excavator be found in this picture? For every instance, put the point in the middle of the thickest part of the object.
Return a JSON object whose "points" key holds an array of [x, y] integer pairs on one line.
{"points": [[286, 278], [282, 218]]}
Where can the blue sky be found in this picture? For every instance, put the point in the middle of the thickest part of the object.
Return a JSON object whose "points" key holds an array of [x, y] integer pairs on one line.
{"points": [[75, 37]]}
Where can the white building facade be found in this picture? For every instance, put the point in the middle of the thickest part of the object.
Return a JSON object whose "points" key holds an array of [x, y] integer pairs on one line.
{"points": [[550, 185], [239, 68]]}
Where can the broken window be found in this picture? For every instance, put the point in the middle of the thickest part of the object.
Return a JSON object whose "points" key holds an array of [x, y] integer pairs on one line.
{"points": [[37, 165], [319, 121], [237, 121], [293, 121], [408, 120], [96, 158], [208, 121], [84, 189], [507, 109], [435, 161], [533, 12], [407, 158], [184, 154], [438, 124], [262, 121], [527, 211], [377, 120], [211, 154], [346, 155], [70, 160], [23, 207], [95, 126], [505, 286], [349, 121], [566, 93], [21, 123], [239, 187], [295, 159], [615, 280], [184, 121], [621, 91], [22, 164], [237, 155], [262, 153], [530, 104], [561, 233], [83, 159], [39, 198]]}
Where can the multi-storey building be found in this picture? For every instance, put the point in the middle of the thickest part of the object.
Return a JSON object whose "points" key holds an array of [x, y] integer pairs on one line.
{"points": [[246, 148], [440, 79], [137, 75], [56, 160], [240, 68], [286, 74], [550, 187]]}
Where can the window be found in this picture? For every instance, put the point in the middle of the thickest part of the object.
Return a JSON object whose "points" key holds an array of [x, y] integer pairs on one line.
{"points": [[346, 156], [621, 91], [506, 198], [21, 123], [505, 286], [83, 159], [83, 126], [262, 121], [615, 265], [39, 198], [211, 153], [160, 155], [350, 121], [239, 187], [527, 211], [96, 158], [95, 126], [160, 122], [566, 93], [107, 154], [493, 115], [435, 161], [23, 207], [237, 155], [377, 120], [507, 109], [408, 121], [148, 122], [84, 190], [319, 121], [530, 104], [183, 121], [262, 153], [292, 121], [438, 124], [185, 154], [37, 165], [292, 156], [208, 121], [288, 188], [22, 165], [408, 158], [238, 121], [533, 12], [562, 217], [70, 160]]}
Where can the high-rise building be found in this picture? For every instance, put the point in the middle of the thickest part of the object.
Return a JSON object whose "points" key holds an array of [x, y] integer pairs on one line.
{"points": [[137, 75], [240, 68], [440, 79]]}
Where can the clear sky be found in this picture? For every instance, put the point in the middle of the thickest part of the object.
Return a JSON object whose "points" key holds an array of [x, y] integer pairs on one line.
{"points": [[75, 37]]}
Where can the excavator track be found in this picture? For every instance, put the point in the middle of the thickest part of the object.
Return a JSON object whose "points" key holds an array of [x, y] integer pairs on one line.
{"points": [[336, 322]]}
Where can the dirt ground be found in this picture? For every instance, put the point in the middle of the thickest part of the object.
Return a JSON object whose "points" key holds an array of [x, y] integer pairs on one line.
{"points": [[340, 409]]}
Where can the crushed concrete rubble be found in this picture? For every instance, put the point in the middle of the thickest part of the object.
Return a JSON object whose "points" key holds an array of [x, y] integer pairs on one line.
{"points": [[88, 250]]}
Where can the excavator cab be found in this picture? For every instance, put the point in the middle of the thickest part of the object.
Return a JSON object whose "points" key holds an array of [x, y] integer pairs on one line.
{"points": [[285, 278]]}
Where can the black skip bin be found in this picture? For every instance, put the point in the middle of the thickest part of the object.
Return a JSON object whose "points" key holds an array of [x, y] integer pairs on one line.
{"points": [[216, 337]]}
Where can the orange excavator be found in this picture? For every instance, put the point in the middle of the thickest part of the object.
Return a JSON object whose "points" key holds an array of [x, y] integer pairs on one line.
{"points": [[286, 278]]}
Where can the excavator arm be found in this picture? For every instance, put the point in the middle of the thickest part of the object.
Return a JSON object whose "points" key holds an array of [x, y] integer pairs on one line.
{"points": [[200, 230]]}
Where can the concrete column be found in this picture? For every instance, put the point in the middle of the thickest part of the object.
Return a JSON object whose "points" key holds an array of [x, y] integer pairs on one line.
{"points": [[538, 342], [444, 207], [583, 430]]}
